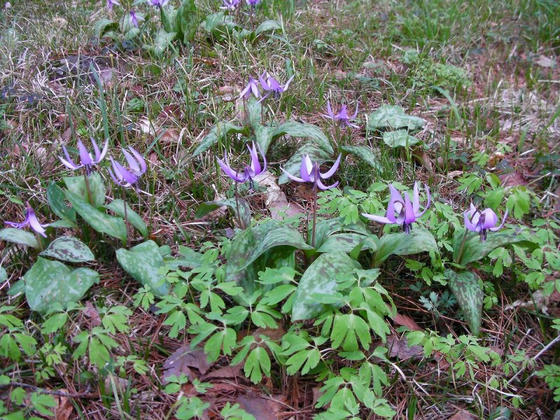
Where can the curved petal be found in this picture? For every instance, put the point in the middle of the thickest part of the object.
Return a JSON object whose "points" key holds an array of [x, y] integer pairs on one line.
{"points": [[230, 172], [117, 181], [139, 159], [285, 87], [34, 222], [263, 79], [427, 204], [333, 169], [263, 158], [124, 174], [467, 215], [292, 177], [415, 198], [494, 229], [68, 162], [255, 164], [306, 169], [85, 157], [17, 225], [323, 186], [132, 163], [396, 197], [488, 219], [409, 216], [103, 151], [355, 113], [378, 219], [330, 113]]}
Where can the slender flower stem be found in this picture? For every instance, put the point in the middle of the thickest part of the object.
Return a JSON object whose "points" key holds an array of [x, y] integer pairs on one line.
{"points": [[462, 248], [39, 239], [88, 189], [237, 214], [125, 213], [314, 215]]}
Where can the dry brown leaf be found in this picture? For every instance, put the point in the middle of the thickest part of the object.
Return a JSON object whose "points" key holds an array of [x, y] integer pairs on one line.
{"points": [[261, 408], [276, 200], [463, 415], [545, 61], [226, 372], [512, 179], [64, 407], [92, 314], [407, 322], [183, 360], [399, 348]]}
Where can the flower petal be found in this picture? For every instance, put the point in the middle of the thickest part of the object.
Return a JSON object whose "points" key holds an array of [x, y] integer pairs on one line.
{"points": [[333, 169], [292, 177], [68, 162], [34, 222], [396, 197], [255, 164], [85, 157], [467, 215], [378, 219], [409, 216], [230, 172], [429, 197], [139, 159], [323, 186], [494, 229]]}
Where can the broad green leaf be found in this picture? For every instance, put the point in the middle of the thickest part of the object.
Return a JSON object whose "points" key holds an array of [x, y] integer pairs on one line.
{"points": [[3, 275], [467, 288], [143, 262], [268, 25], [162, 41], [220, 131], [118, 207], [234, 205], [320, 277], [57, 203], [294, 163], [346, 242], [474, 249], [70, 249], [269, 239], [253, 108], [415, 242], [309, 131], [364, 153], [187, 20], [19, 236], [399, 138], [51, 284], [102, 26], [168, 16], [98, 220], [327, 227], [77, 185], [217, 24], [393, 117]]}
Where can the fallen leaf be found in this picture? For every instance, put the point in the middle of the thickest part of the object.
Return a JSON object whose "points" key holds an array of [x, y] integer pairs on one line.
{"points": [[545, 61], [261, 408], [183, 360], [399, 348], [512, 179], [276, 200], [407, 322], [147, 127], [463, 415], [226, 372], [92, 314], [64, 407]]}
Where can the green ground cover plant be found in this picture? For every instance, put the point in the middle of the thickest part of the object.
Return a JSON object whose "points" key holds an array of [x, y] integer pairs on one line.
{"points": [[265, 209]]}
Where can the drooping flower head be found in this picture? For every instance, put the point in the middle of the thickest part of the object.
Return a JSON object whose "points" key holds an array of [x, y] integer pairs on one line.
{"points": [[158, 3], [273, 86], [251, 88], [402, 211], [249, 171], [31, 221], [482, 221], [133, 18], [87, 161], [136, 168], [341, 117], [230, 5], [309, 172], [111, 3]]}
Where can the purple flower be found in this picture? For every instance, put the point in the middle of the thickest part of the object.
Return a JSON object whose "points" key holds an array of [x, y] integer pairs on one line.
{"points": [[253, 3], [87, 161], [402, 212], [30, 220], [482, 221], [249, 171], [158, 3], [133, 18], [271, 85], [252, 87], [128, 177], [230, 4], [309, 172], [342, 116], [111, 3]]}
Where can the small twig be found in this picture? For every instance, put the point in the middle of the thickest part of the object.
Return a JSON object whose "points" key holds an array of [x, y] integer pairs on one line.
{"points": [[58, 393], [536, 356]]}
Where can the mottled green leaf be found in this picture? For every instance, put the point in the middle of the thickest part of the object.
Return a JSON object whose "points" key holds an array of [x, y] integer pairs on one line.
{"points": [[77, 185], [267, 26], [57, 203], [68, 248], [399, 138], [305, 130], [220, 131], [474, 249], [102, 26], [188, 20], [467, 288], [18, 236], [346, 242], [162, 41], [393, 117], [364, 153], [118, 207], [143, 262], [320, 277], [253, 108], [419, 240], [217, 24], [294, 163], [3, 274], [51, 284], [98, 220]]}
